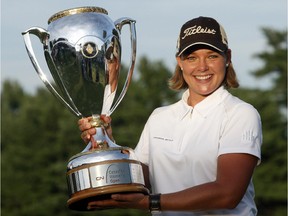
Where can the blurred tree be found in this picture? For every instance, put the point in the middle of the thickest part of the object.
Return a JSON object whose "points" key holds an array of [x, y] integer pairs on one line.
{"points": [[39, 136], [271, 176], [33, 162], [275, 63], [272, 186]]}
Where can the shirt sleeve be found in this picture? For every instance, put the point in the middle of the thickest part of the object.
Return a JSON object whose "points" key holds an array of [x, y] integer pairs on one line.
{"points": [[242, 132]]}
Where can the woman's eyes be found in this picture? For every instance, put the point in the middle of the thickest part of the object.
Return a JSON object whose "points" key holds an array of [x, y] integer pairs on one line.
{"points": [[191, 58], [212, 56], [194, 58]]}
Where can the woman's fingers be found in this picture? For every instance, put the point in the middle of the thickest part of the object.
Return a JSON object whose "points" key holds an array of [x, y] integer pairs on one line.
{"points": [[133, 197], [87, 134], [84, 124], [121, 201], [87, 130]]}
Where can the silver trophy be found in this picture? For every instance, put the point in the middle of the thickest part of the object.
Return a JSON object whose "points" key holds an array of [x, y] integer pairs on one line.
{"points": [[82, 48]]}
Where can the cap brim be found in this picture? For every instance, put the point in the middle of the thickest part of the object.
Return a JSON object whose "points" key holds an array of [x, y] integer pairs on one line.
{"points": [[200, 43]]}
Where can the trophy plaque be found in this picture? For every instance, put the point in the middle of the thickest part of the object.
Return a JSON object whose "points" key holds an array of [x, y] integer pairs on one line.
{"points": [[82, 49]]}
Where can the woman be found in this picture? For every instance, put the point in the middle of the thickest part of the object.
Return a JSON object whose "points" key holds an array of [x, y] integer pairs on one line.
{"points": [[201, 151]]}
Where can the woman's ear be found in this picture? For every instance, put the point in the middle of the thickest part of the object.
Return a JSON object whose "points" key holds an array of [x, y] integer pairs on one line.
{"points": [[228, 57]]}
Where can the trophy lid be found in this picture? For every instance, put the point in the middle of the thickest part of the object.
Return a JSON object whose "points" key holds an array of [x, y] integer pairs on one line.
{"points": [[72, 11]]}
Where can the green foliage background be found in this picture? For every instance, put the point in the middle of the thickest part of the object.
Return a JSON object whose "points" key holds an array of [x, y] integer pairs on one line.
{"points": [[38, 136]]}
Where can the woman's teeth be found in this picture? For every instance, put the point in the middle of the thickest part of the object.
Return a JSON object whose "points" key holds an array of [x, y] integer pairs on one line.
{"points": [[203, 77]]}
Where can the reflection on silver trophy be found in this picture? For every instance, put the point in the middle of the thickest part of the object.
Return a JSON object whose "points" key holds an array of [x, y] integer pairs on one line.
{"points": [[82, 48]]}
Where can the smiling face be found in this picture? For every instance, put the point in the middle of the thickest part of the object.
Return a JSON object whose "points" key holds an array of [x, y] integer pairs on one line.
{"points": [[204, 71]]}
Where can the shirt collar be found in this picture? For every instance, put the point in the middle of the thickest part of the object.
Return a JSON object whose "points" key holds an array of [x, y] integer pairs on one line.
{"points": [[206, 105]]}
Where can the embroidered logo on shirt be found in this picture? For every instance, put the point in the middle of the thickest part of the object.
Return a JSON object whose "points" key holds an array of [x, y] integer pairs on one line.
{"points": [[162, 138], [248, 136]]}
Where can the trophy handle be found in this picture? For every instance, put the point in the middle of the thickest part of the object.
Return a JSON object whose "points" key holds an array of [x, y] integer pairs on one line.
{"points": [[43, 36], [119, 24]]}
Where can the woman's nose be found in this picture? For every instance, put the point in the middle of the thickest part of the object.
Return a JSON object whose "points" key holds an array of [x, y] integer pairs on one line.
{"points": [[203, 66]]}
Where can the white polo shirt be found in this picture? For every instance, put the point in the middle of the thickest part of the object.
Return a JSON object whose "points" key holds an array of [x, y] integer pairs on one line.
{"points": [[181, 144]]}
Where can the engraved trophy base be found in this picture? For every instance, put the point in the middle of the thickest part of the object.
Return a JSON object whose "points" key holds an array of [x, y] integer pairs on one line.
{"points": [[111, 171]]}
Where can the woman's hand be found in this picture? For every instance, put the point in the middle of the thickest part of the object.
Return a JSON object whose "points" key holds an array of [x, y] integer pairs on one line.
{"points": [[87, 130], [129, 201]]}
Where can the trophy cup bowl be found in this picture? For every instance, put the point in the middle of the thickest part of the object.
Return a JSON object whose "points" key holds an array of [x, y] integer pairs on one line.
{"points": [[82, 48]]}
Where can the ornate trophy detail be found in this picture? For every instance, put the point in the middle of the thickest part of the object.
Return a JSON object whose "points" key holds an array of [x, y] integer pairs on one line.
{"points": [[82, 48]]}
